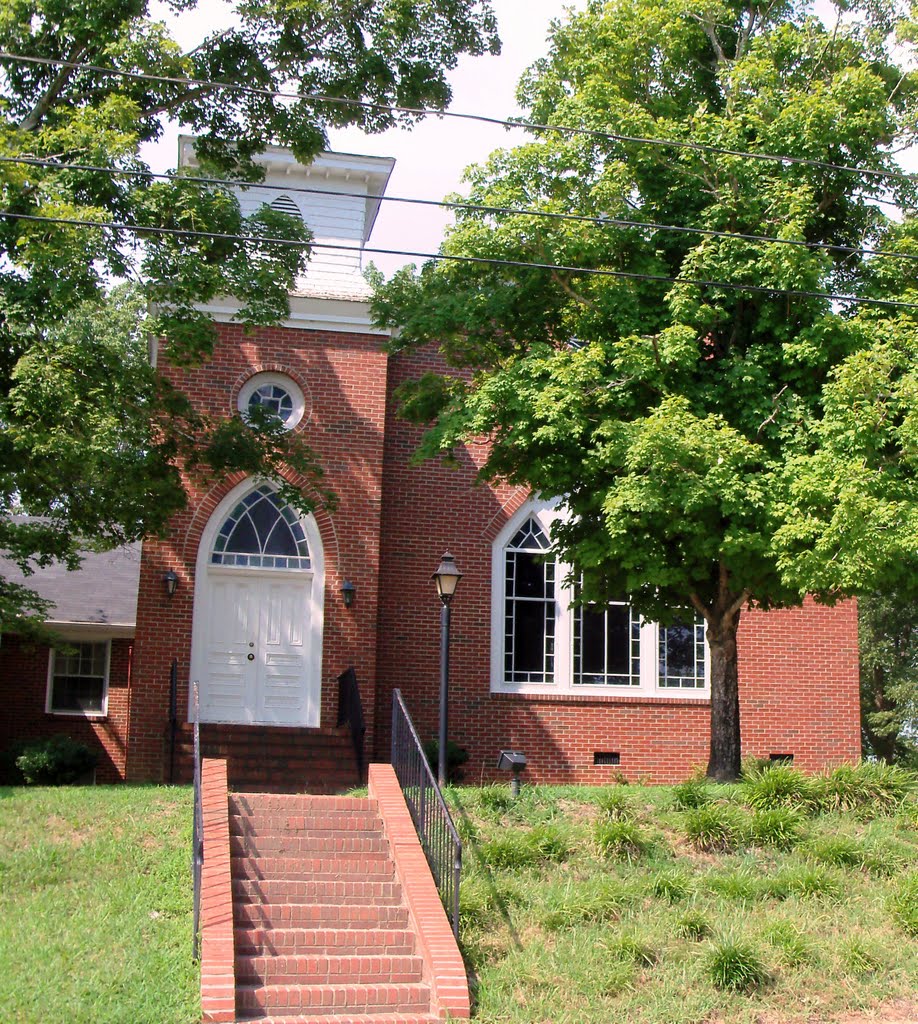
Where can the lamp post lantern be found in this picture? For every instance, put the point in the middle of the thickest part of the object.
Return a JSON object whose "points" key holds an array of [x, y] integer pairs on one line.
{"points": [[447, 579]]}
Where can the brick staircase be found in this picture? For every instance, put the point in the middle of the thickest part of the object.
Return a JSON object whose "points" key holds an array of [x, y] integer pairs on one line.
{"points": [[321, 927]]}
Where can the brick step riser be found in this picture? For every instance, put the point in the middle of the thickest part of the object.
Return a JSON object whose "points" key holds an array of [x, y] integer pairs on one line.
{"points": [[381, 998], [324, 941], [301, 869], [319, 915], [350, 1018], [297, 803], [314, 845], [330, 891], [329, 970], [344, 822]]}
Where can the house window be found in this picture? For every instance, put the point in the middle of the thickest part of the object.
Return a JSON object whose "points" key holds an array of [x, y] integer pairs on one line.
{"points": [[78, 678], [261, 532], [543, 642], [276, 394]]}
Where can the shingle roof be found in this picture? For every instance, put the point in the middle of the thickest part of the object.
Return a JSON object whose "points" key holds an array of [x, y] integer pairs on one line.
{"points": [[103, 590]]}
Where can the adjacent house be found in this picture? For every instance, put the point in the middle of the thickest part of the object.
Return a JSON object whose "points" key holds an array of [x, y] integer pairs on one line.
{"points": [[266, 608]]}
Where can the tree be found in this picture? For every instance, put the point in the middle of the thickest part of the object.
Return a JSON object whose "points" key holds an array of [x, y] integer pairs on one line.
{"points": [[889, 676], [677, 393], [93, 437]]}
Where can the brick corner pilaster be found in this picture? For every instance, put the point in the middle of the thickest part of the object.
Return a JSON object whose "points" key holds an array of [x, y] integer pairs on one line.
{"points": [[218, 976], [437, 945]]}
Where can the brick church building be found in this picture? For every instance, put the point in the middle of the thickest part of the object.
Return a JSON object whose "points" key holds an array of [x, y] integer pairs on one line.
{"points": [[266, 609]]}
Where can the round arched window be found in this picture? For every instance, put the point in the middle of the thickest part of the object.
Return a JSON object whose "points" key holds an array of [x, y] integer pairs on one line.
{"points": [[276, 394]]}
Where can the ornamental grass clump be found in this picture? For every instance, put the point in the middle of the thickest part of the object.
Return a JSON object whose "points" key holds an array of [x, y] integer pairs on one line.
{"points": [[523, 848], [615, 805], [839, 851], [632, 949], [860, 956], [624, 840], [735, 965], [807, 881], [694, 925], [780, 785], [601, 900], [692, 793], [715, 828], [869, 787], [903, 904], [672, 885], [780, 827], [792, 946]]}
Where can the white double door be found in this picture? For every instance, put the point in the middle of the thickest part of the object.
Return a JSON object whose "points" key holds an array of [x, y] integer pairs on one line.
{"points": [[253, 653]]}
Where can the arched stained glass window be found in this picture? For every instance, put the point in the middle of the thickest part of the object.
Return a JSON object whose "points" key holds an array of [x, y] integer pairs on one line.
{"points": [[262, 533]]}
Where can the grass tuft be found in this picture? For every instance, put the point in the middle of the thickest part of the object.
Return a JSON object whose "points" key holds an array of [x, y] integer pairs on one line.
{"points": [[631, 949], [516, 849], [780, 785], [693, 792], [735, 965], [780, 827], [715, 828], [903, 904], [615, 804], [860, 956], [623, 840], [793, 947], [694, 925], [672, 885], [871, 787]]}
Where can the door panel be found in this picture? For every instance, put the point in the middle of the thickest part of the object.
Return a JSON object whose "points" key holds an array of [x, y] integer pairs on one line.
{"points": [[232, 625]]}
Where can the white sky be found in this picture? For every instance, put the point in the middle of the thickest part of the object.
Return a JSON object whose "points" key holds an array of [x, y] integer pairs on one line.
{"points": [[430, 157]]}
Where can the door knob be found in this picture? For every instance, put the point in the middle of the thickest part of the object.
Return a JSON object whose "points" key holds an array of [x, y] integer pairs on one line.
{"points": [[251, 657]]}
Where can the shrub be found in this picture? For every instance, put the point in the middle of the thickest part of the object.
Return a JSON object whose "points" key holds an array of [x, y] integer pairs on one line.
{"points": [[615, 804], [714, 828], [781, 827], [56, 761], [735, 965], [780, 785], [456, 757], [871, 786], [903, 904], [627, 840], [692, 793], [693, 925]]}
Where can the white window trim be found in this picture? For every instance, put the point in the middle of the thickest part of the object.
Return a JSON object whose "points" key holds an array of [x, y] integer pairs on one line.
{"points": [[49, 690], [259, 380], [546, 514]]}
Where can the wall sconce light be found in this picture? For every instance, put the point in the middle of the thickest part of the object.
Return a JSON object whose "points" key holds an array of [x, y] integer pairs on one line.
{"points": [[170, 582], [512, 761], [348, 593]]}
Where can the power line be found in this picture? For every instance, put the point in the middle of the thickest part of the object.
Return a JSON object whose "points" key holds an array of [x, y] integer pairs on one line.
{"points": [[600, 220], [699, 147], [592, 271]]}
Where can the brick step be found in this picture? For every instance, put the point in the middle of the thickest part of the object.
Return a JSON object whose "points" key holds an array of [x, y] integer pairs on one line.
{"points": [[369, 867], [319, 915], [306, 844], [332, 941], [331, 890], [255, 1000], [274, 823], [328, 970], [351, 1018], [297, 803]]}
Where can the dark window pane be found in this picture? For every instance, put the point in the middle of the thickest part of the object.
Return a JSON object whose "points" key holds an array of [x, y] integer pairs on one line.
{"points": [[77, 693], [280, 540], [677, 646], [243, 538], [529, 575], [529, 637], [618, 622], [594, 642]]}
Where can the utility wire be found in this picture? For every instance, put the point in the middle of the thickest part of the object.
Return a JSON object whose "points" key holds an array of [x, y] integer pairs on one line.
{"points": [[602, 221], [593, 271], [534, 126]]}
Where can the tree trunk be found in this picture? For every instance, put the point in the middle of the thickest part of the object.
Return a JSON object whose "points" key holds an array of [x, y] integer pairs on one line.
{"points": [[725, 759]]}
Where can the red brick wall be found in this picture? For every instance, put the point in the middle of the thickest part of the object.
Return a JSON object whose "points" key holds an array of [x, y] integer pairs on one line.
{"points": [[343, 378], [798, 668], [24, 684]]}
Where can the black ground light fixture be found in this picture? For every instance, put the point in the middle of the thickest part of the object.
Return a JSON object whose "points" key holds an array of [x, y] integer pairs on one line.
{"points": [[447, 579], [512, 761], [348, 593], [170, 582]]}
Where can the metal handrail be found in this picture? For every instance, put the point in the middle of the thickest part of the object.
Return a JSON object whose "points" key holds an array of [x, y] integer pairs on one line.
{"points": [[197, 833], [432, 820], [350, 713]]}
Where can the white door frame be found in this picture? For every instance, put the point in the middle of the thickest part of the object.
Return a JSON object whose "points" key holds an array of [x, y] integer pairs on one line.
{"points": [[203, 574]]}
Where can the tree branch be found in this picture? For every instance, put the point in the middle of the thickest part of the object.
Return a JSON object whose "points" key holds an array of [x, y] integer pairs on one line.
{"points": [[34, 117]]}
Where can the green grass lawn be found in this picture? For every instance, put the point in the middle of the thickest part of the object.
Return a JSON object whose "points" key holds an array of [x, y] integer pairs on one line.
{"points": [[595, 905], [95, 906], [616, 905]]}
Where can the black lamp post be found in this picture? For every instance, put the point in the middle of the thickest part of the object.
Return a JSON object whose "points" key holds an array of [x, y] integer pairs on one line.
{"points": [[447, 579]]}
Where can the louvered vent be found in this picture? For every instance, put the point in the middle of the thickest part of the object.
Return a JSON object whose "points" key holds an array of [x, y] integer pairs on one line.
{"points": [[284, 204]]}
